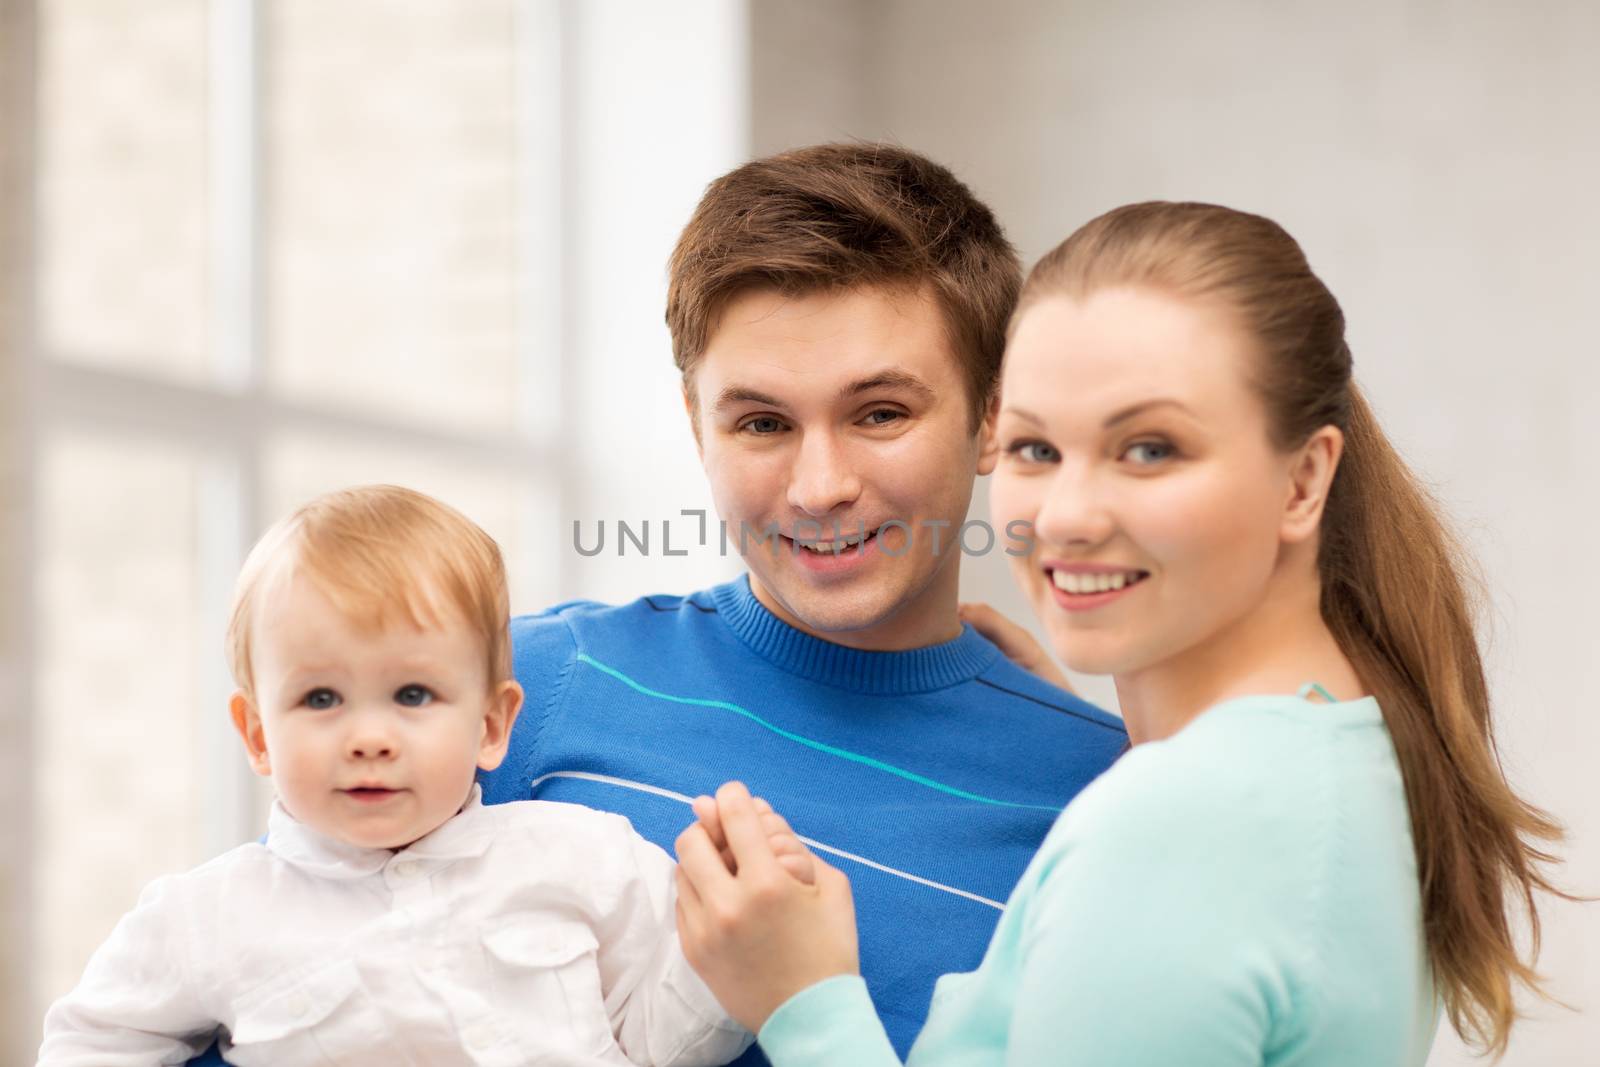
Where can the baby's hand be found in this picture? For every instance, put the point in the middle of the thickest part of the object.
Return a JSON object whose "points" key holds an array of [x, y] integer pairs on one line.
{"points": [[792, 856]]}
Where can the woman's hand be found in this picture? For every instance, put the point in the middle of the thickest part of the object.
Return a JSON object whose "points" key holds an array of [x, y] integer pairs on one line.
{"points": [[758, 936], [1018, 644]]}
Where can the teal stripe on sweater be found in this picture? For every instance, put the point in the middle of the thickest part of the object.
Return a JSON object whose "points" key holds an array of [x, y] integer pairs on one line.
{"points": [[845, 754]]}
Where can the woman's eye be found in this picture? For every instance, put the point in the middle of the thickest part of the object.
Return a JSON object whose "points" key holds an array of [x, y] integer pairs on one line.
{"points": [[413, 696], [1033, 452], [1145, 453], [321, 699], [763, 425]]}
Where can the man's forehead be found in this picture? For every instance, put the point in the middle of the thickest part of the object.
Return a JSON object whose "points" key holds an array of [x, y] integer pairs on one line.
{"points": [[836, 343]]}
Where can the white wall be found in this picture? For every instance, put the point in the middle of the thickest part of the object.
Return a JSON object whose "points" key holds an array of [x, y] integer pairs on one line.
{"points": [[660, 108], [1437, 163]]}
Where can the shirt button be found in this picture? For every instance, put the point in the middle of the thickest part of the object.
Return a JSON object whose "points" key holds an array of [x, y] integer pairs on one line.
{"points": [[406, 869]]}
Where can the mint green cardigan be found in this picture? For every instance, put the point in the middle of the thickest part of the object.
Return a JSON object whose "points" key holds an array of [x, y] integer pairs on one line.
{"points": [[1244, 892]]}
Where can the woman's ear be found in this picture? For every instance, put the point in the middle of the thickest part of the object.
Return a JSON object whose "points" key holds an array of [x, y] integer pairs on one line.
{"points": [[1310, 478], [988, 438], [247, 720], [498, 718]]}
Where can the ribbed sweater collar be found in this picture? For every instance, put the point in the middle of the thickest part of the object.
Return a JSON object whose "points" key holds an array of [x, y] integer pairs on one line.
{"points": [[917, 670]]}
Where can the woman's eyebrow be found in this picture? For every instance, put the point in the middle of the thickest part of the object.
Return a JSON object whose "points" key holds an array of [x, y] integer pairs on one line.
{"points": [[1023, 414], [1145, 405]]}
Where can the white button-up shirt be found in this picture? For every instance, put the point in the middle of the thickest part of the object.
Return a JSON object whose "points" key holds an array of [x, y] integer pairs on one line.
{"points": [[521, 933]]}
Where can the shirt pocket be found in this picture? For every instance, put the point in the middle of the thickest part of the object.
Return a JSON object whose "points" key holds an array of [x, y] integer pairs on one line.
{"points": [[322, 1017], [546, 980]]}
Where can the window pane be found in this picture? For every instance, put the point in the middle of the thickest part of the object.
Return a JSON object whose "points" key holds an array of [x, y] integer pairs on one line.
{"points": [[389, 172], [518, 513], [122, 183], [117, 731]]}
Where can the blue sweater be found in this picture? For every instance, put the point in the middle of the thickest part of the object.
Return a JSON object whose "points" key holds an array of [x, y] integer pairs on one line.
{"points": [[930, 777]]}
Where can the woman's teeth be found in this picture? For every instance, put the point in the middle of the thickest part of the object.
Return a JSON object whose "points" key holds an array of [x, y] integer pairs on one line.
{"points": [[1069, 582]]}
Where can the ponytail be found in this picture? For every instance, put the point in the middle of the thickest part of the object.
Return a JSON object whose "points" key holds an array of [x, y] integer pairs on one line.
{"points": [[1397, 596]]}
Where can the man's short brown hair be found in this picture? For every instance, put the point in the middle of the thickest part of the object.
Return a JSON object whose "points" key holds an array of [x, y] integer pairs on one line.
{"points": [[839, 216]]}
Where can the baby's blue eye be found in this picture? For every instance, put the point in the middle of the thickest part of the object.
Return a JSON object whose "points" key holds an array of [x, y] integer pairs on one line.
{"points": [[413, 696], [321, 699]]}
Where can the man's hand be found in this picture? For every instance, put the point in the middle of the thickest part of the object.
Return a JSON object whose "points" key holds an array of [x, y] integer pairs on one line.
{"points": [[1018, 644], [755, 933]]}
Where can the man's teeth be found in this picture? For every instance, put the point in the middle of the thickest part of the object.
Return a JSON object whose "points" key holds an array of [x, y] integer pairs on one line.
{"points": [[833, 547], [1068, 582]]}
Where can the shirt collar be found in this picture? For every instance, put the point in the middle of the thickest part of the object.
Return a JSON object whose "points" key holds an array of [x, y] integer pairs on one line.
{"points": [[465, 835]]}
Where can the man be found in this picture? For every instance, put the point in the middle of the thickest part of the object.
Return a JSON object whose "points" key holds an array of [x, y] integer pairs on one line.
{"points": [[838, 315]]}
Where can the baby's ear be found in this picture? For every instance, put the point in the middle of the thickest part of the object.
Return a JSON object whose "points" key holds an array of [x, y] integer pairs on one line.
{"points": [[498, 718], [247, 720]]}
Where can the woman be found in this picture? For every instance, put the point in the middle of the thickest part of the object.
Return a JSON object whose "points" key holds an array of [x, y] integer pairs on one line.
{"points": [[1310, 848]]}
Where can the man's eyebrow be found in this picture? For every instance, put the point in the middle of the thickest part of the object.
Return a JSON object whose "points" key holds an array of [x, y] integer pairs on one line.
{"points": [[739, 394], [889, 379]]}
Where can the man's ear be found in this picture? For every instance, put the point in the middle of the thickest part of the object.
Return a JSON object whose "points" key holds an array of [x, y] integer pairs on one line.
{"points": [[988, 439], [498, 718], [247, 720], [692, 409], [1310, 478]]}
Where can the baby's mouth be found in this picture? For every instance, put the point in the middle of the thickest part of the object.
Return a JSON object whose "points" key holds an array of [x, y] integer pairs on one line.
{"points": [[370, 793]]}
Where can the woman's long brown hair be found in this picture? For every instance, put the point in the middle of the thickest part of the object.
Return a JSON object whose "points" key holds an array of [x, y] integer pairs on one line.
{"points": [[1398, 591]]}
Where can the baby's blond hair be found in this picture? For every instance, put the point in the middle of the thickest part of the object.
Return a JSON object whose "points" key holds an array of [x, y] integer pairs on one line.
{"points": [[382, 553]]}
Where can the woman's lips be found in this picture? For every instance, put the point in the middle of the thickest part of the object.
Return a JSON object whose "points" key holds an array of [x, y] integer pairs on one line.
{"points": [[1083, 588]]}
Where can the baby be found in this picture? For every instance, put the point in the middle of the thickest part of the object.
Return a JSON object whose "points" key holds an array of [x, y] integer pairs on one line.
{"points": [[389, 917]]}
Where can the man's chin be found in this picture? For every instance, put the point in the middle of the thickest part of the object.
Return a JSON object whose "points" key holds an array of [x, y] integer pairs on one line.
{"points": [[837, 615]]}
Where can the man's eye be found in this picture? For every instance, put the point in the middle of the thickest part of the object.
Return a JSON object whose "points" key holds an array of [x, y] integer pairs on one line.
{"points": [[1033, 452], [882, 417], [413, 696], [321, 699], [763, 425], [1145, 453]]}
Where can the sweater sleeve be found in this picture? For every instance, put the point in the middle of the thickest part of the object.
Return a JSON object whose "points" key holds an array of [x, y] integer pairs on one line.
{"points": [[827, 1024], [1154, 933], [1160, 925]]}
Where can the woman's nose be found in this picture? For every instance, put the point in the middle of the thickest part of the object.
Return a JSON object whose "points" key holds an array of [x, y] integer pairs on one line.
{"points": [[1074, 511]]}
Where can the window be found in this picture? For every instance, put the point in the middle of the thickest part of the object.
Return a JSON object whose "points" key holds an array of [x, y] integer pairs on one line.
{"points": [[250, 251], [278, 248]]}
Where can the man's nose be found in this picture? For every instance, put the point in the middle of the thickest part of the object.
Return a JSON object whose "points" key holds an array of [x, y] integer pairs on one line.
{"points": [[822, 479]]}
